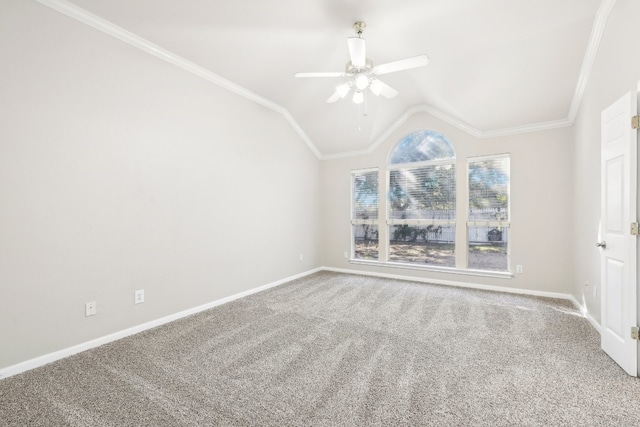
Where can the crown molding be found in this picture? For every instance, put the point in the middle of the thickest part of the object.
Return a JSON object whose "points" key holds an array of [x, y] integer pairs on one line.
{"points": [[145, 45], [599, 24], [346, 154], [463, 126], [109, 28]]}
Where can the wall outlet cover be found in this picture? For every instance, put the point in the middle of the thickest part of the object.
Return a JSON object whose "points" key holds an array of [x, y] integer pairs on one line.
{"points": [[90, 309], [138, 296]]}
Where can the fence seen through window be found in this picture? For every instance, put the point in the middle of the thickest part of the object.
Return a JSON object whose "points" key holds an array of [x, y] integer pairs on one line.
{"points": [[422, 201], [422, 216], [488, 217], [364, 214]]}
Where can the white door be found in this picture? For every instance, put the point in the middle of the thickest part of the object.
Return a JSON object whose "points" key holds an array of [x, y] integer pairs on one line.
{"points": [[618, 245]]}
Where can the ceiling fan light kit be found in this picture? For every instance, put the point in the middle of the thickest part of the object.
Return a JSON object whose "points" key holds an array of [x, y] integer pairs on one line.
{"points": [[361, 71], [362, 81]]}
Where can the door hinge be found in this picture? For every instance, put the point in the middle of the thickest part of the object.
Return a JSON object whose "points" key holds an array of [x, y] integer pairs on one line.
{"points": [[635, 122], [634, 332], [634, 228]]}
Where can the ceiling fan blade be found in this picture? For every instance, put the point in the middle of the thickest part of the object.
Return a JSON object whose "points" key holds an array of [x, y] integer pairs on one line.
{"points": [[336, 96], [357, 51], [341, 91], [403, 64], [380, 88], [321, 74]]}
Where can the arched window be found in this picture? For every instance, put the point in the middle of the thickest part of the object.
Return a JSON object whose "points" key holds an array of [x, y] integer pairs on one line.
{"points": [[421, 209], [422, 146], [422, 200]]}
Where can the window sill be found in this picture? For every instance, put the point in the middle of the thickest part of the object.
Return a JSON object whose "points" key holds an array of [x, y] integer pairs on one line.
{"points": [[450, 270]]}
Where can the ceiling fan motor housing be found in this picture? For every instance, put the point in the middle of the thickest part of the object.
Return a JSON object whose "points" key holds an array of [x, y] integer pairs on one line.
{"points": [[351, 69]]}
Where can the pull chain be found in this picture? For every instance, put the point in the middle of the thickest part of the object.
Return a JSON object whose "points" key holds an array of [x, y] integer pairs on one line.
{"points": [[362, 110]]}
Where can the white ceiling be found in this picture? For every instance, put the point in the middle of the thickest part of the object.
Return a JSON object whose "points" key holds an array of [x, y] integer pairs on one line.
{"points": [[497, 66]]}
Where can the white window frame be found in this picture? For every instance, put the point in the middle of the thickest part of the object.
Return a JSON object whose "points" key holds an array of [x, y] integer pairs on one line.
{"points": [[489, 223], [414, 222], [356, 221], [461, 223]]}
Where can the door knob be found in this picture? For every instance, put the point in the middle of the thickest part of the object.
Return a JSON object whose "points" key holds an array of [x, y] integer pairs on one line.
{"points": [[602, 244]]}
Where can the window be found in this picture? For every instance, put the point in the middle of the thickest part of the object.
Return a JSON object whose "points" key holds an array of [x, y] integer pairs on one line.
{"points": [[488, 216], [422, 146], [364, 214], [427, 225], [422, 201]]}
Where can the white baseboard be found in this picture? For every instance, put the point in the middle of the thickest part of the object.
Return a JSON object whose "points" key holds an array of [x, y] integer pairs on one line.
{"points": [[61, 354], [454, 283], [586, 314], [57, 355], [569, 297], [593, 322]]}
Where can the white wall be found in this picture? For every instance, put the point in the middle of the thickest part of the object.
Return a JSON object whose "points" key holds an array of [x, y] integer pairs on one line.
{"points": [[541, 203], [616, 71], [119, 172]]}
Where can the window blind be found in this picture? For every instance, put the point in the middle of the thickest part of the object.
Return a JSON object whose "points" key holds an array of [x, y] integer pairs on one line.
{"points": [[422, 193], [365, 196], [489, 189]]}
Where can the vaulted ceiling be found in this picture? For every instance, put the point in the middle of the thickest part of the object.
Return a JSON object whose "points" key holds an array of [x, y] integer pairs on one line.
{"points": [[496, 66]]}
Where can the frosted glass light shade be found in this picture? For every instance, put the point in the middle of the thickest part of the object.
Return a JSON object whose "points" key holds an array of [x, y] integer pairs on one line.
{"points": [[362, 82]]}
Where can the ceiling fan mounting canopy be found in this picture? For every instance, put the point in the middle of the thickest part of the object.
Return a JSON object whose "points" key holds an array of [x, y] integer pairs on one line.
{"points": [[361, 70], [359, 26]]}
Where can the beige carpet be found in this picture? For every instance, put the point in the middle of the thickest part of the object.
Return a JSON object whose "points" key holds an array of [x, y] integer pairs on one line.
{"points": [[335, 349]]}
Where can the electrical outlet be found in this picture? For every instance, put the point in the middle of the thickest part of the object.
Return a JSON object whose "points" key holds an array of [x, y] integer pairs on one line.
{"points": [[346, 254], [90, 309], [138, 296], [301, 257], [519, 269], [595, 292]]}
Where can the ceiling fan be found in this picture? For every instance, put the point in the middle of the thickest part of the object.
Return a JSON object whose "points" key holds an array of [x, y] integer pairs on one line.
{"points": [[362, 72]]}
